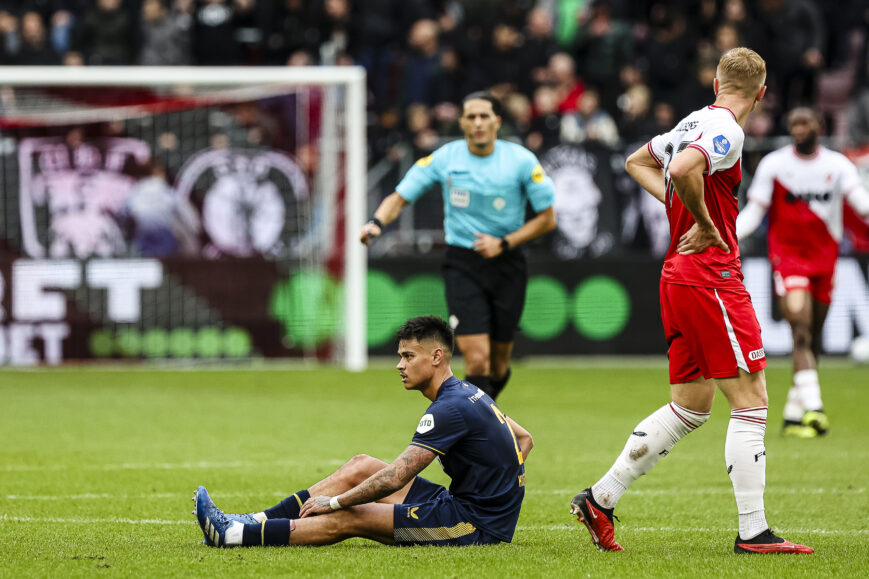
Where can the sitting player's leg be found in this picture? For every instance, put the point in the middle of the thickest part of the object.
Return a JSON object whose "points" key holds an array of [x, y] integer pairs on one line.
{"points": [[371, 521], [350, 474], [745, 456]]}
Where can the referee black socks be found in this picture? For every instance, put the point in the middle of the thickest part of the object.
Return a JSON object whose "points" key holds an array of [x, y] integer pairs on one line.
{"points": [[481, 382], [289, 507], [498, 385]]}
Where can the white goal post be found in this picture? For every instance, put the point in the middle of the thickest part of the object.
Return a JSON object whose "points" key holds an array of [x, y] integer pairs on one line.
{"points": [[353, 346]]}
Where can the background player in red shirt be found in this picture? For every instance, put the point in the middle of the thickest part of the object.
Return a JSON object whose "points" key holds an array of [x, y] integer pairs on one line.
{"points": [[712, 331], [803, 187]]}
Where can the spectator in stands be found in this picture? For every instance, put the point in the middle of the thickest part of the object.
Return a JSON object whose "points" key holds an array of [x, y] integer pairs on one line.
{"points": [[423, 62], [165, 36], [667, 52], [590, 123], [10, 39], [563, 78], [35, 47], [336, 31], [104, 35], [603, 46], [794, 36], [545, 130], [499, 63], [637, 123], [538, 48], [214, 34], [735, 14], [286, 28]]}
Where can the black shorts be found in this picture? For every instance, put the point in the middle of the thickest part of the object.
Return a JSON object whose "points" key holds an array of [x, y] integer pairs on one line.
{"points": [[485, 296], [431, 516]]}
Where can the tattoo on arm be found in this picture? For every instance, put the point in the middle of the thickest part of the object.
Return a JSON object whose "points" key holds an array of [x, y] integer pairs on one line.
{"points": [[389, 479]]}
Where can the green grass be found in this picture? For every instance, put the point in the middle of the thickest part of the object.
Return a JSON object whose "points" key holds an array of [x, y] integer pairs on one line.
{"points": [[97, 468]]}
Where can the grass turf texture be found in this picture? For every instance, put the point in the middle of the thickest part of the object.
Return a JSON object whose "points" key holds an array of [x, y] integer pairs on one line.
{"points": [[97, 468]]}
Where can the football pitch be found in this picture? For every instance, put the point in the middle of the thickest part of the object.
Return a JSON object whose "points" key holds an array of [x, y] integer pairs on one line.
{"points": [[97, 467]]}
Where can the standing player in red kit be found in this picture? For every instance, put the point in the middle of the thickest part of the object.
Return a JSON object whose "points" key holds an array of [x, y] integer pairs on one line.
{"points": [[803, 187], [710, 325]]}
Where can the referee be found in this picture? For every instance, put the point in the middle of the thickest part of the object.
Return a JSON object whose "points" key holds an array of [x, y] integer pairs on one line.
{"points": [[487, 184]]}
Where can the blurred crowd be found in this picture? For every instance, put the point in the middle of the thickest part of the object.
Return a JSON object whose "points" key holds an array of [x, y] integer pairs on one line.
{"points": [[568, 71]]}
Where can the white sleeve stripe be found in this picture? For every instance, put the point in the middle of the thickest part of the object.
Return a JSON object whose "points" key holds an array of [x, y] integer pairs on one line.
{"points": [[705, 154], [654, 156]]}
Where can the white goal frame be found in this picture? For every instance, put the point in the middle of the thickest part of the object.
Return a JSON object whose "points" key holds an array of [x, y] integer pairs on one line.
{"points": [[355, 344]]}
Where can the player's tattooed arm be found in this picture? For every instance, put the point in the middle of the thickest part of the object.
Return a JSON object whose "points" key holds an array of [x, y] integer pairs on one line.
{"points": [[381, 484]]}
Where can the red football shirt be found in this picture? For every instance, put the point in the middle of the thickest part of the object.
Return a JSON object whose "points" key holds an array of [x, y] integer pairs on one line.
{"points": [[714, 132]]}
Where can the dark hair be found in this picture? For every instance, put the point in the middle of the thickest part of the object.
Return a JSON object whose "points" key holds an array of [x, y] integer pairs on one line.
{"points": [[428, 327], [485, 96]]}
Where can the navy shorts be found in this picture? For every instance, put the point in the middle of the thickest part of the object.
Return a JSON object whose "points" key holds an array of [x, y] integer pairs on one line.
{"points": [[431, 517], [485, 296]]}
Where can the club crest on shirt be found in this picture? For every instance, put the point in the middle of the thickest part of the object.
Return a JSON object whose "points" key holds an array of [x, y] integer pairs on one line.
{"points": [[721, 144], [499, 203], [426, 423]]}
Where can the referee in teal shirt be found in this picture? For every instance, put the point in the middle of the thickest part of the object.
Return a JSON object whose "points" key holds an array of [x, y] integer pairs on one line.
{"points": [[487, 184]]}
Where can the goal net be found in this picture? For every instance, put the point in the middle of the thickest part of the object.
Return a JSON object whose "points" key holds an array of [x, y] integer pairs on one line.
{"points": [[182, 213]]}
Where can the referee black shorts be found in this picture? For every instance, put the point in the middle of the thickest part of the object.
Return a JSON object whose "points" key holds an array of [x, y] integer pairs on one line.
{"points": [[485, 296]]}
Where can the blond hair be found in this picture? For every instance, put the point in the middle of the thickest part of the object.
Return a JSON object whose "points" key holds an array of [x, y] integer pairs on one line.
{"points": [[741, 70]]}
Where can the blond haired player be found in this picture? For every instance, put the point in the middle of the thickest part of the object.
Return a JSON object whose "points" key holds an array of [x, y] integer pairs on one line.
{"points": [[711, 329]]}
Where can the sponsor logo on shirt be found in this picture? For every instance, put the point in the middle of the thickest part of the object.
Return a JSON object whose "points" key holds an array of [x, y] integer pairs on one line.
{"points": [[725, 274], [685, 127], [460, 197], [756, 354], [721, 144], [808, 196], [426, 423], [425, 161], [476, 396]]}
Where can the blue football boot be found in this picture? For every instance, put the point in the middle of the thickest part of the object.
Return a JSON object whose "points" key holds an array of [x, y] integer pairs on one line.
{"points": [[212, 520], [245, 519]]}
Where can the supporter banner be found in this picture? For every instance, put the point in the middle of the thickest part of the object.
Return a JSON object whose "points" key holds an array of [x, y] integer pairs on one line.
{"points": [[52, 310]]}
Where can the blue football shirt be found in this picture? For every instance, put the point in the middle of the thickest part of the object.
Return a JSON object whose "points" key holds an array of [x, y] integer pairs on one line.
{"points": [[481, 194], [478, 451]]}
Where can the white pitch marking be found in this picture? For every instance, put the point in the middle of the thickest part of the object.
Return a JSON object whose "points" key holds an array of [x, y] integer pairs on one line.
{"points": [[164, 465], [565, 527], [710, 491], [565, 492], [692, 529]]}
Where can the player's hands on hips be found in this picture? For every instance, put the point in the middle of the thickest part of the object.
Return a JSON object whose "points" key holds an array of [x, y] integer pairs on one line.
{"points": [[369, 231], [315, 506], [487, 245], [698, 240]]}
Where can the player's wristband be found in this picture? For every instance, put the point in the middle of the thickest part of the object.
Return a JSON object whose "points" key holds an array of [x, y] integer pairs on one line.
{"points": [[333, 502], [505, 245], [376, 221]]}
